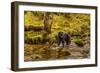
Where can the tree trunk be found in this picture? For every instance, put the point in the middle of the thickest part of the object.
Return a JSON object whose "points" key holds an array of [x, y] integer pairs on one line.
{"points": [[47, 23]]}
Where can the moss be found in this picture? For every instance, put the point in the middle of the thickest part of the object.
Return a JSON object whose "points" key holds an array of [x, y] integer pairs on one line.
{"points": [[79, 42]]}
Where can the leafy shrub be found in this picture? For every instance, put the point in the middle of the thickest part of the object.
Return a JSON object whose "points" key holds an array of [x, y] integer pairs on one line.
{"points": [[28, 40], [33, 40], [52, 38], [48, 37], [79, 42]]}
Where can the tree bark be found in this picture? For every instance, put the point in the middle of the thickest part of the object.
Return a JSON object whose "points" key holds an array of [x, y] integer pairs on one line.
{"points": [[47, 24]]}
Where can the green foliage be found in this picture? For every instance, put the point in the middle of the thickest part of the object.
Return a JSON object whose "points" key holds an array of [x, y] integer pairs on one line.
{"points": [[50, 38], [38, 38], [76, 24], [79, 42], [32, 38], [33, 18], [73, 23]]}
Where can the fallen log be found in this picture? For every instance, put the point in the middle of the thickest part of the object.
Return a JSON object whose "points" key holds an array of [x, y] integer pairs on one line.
{"points": [[34, 28]]}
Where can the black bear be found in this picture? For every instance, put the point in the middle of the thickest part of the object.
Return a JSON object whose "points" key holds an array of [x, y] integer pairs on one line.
{"points": [[63, 38], [60, 38], [67, 38]]}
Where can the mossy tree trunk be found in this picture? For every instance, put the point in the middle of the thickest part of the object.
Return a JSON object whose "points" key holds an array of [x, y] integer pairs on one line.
{"points": [[47, 23]]}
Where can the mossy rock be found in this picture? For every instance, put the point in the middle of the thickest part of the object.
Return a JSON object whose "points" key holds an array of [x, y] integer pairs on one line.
{"points": [[79, 42]]}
